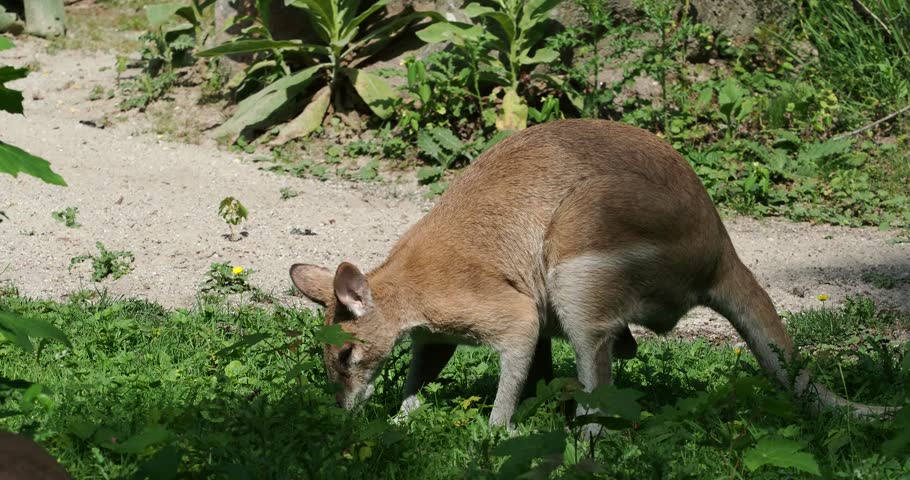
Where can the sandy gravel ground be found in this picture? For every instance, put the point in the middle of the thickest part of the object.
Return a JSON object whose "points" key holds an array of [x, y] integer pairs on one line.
{"points": [[158, 199]]}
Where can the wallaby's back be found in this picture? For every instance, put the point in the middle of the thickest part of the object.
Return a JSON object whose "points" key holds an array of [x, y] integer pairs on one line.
{"points": [[495, 216]]}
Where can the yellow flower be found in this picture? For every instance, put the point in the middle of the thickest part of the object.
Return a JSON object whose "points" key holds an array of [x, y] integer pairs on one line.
{"points": [[737, 351], [237, 270], [823, 297]]}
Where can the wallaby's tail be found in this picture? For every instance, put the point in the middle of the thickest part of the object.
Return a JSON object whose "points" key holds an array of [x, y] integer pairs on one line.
{"points": [[738, 296]]}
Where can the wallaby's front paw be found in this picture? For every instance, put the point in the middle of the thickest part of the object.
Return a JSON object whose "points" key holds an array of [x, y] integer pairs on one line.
{"points": [[408, 405]]}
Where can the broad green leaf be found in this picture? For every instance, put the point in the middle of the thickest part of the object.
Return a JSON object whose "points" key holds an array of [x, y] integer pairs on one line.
{"points": [[332, 335], [242, 75], [475, 10], [428, 146], [559, 389], [374, 91], [148, 437], [264, 10], [19, 329], [11, 100], [813, 152], [379, 36], [543, 55], [899, 443], [780, 452], [613, 401], [246, 341], [729, 95], [537, 11], [258, 107], [523, 450], [164, 465], [454, 32], [14, 160], [36, 394], [6, 44], [446, 139], [250, 46], [308, 120], [159, 14], [428, 174], [366, 14], [514, 113], [322, 16]]}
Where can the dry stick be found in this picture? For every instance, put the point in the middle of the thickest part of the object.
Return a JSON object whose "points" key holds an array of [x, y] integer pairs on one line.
{"points": [[873, 124], [874, 16]]}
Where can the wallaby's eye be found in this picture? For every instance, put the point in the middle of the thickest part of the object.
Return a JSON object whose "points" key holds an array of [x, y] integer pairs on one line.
{"points": [[344, 356]]}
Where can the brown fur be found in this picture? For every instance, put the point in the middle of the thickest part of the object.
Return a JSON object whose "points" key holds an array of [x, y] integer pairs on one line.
{"points": [[23, 459], [575, 228]]}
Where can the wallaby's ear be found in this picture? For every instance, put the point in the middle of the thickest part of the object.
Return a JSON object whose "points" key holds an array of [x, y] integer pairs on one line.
{"points": [[352, 290], [313, 281]]}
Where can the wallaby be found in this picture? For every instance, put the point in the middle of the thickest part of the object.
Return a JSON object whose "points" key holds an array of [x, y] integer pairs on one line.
{"points": [[572, 229], [23, 459]]}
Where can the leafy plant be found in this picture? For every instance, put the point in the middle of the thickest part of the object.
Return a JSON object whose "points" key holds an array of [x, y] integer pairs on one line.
{"points": [[348, 37], [107, 263], [165, 50], [14, 160], [222, 278], [288, 193], [443, 150], [578, 78], [510, 35], [67, 217], [232, 212]]}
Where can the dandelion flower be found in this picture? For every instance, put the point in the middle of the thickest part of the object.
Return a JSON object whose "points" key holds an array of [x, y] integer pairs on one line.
{"points": [[237, 270], [737, 351], [823, 297]]}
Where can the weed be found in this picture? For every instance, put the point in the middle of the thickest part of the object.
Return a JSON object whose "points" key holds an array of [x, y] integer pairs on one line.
{"points": [[505, 42], [880, 280], [222, 278], [67, 217], [232, 212], [347, 35], [107, 263], [288, 193]]}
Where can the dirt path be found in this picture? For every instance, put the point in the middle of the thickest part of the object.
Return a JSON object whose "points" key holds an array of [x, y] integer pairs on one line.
{"points": [[158, 199]]}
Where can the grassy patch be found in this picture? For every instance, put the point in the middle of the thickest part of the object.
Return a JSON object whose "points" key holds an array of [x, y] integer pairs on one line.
{"points": [[239, 392]]}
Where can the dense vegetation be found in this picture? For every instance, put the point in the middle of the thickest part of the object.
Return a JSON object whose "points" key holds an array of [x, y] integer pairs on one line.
{"points": [[781, 123], [240, 392], [805, 119]]}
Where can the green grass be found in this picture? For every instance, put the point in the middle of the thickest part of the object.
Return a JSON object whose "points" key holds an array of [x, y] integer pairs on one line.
{"points": [[144, 387]]}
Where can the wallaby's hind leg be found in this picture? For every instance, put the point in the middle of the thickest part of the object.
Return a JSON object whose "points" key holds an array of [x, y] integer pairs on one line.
{"points": [[541, 367], [624, 345]]}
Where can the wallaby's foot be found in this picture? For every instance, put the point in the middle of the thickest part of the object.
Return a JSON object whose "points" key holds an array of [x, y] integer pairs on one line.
{"points": [[407, 407], [624, 345]]}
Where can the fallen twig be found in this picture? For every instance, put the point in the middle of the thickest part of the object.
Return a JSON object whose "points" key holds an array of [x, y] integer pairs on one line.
{"points": [[873, 124], [869, 13]]}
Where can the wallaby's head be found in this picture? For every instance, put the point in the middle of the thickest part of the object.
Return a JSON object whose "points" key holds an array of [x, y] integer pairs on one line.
{"points": [[349, 302]]}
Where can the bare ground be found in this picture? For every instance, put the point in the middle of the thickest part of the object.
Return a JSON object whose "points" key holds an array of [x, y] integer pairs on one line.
{"points": [[158, 199]]}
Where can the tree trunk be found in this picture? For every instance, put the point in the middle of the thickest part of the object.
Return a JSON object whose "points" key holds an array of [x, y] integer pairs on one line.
{"points": [[45, 18]]}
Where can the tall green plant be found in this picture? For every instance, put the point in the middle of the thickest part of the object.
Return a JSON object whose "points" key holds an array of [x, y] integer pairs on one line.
{"points": [[863, 47], [347, 39], [512, 32], [14, 160]]}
